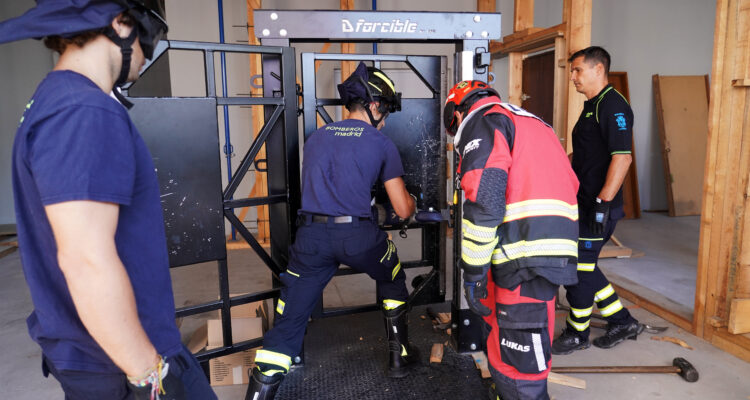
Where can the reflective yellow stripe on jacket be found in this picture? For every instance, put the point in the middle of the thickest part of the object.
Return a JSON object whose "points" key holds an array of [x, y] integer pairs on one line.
{"points": [[535, 248], [539, 208], [478, 243]]}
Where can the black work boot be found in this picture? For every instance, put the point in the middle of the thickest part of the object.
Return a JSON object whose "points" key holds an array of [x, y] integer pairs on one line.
{"points": [[262, 387], [568, 342], [402, 355], [617, 333]]}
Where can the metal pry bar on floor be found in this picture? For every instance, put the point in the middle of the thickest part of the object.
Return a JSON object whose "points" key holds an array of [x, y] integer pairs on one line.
{"points": [[680, 366]]}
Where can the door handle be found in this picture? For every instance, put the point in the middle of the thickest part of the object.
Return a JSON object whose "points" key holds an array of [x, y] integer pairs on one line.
{"points": [[525, 97]]}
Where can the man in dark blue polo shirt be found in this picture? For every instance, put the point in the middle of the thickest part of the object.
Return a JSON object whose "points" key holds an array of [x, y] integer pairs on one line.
{"points": [[602, 141], [89, 214], [342, 162]]}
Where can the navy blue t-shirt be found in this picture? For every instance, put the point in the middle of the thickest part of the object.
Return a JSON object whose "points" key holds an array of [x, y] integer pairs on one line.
{"points": [[342, 161], [75, 142]]}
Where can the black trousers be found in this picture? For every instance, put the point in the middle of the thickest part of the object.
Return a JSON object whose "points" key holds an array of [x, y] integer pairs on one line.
{"points": [[593, 286]]}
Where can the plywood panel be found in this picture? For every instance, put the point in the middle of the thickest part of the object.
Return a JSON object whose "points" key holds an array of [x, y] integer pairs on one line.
{"points": [[682, 108]]}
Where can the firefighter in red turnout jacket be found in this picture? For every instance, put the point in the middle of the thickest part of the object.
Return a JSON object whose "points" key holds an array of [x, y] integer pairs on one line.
{"points": [[520, 231]]}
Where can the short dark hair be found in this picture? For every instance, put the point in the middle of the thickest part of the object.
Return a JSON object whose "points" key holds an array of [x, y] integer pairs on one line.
{"points": [[593, 54], [59, 43]]}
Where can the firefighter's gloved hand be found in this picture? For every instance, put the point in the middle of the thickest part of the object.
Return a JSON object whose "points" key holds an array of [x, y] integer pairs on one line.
{"points": [[160, 384], [475, 288], [599, 217]]}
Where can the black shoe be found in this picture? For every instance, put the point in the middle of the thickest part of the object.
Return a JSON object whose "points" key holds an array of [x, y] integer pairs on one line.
{"points": [[262, 387], [617, 333], [402, 356], [569, 342]]}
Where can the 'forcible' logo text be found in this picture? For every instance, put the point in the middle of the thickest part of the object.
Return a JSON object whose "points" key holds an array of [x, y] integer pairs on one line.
{"points": [[393, 26]]}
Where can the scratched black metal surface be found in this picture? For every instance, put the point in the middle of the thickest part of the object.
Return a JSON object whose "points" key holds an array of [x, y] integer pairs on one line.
{"points": [[346, 358]]}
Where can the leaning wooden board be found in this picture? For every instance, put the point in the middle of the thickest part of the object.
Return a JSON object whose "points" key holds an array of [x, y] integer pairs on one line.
{"points": [[682, 110]]}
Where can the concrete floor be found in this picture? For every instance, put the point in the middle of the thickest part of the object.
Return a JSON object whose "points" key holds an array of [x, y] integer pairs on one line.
{"points": [[668, 254]]}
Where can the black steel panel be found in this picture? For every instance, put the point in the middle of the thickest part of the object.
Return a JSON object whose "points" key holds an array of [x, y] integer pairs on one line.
{"points": [[375, 25], [185, 149], [416, 131]]}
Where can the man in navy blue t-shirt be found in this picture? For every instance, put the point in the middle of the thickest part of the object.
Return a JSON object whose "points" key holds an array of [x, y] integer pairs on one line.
{"points": [[342, 162], [89, 215]]}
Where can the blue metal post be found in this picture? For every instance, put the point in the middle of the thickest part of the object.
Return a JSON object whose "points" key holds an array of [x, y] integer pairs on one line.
{"points": [[228, 148], [374, 44]]}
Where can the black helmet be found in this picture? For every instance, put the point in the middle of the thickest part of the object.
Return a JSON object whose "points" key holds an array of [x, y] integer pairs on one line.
{"points": [[366, 85]]}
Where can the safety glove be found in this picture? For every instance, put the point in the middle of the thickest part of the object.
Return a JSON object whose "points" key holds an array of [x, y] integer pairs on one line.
{"points": [[157, 384], [475, 288], [600, 217]]}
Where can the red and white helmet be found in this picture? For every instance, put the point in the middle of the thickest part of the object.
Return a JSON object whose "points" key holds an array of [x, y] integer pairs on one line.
{"points": [[457, 96]]}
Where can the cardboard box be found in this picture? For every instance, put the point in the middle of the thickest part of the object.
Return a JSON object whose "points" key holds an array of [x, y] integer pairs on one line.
{"points": [[242, 329], [263, 309], [231, 369]]}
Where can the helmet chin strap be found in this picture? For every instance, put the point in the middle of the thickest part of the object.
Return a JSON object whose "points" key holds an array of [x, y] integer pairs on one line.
{"points": [[374, 122], [126, 49]]}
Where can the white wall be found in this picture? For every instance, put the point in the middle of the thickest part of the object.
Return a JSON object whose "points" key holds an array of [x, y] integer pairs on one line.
{"points": [[22, 66], [644, 37]]}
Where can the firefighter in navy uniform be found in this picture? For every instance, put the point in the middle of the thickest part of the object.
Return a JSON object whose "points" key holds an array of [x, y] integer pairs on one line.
{"points": [[602, 141], [520, 225], [342, 162]]}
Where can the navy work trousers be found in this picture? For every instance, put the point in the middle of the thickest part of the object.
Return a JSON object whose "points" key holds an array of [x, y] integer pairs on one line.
{"points": [[86, 385], [313, 260], [592, 285]]}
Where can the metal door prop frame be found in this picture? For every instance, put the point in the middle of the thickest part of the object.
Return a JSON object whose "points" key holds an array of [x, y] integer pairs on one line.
{"points": [[470, 32], [280, 135]]}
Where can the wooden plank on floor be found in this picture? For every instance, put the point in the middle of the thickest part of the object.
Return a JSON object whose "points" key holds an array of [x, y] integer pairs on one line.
{"points": [[7, 230], [7, 250], [565, 380]]}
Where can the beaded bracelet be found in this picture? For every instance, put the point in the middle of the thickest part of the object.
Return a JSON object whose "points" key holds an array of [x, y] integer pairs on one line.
{"points": [[152, 377]]}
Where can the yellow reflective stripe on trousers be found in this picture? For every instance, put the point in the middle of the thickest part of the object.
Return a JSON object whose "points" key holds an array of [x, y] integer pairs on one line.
{"points": [[611, 309], [280, 307], [390, 304], [604, 293], [477, 233], [588, 267], [395, 270], [535, 248], [578, 326], [273, 358], [590, 239], [290, 272], [391, 248], [581, 312], [539, 208], [474, 254]]}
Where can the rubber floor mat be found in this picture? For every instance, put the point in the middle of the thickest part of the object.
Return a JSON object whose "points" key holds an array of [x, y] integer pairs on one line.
{"points": [[346, 356]]}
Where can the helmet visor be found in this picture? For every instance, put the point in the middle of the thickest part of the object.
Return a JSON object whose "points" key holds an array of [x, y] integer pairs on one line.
{"points": [[151, 28]]}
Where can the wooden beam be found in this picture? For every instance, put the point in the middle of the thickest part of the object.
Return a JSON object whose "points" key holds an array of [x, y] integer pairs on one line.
{"points": [[487, 6], [515, 78], [578, 36], [560, 106], [529, 40], [523, 15]]}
